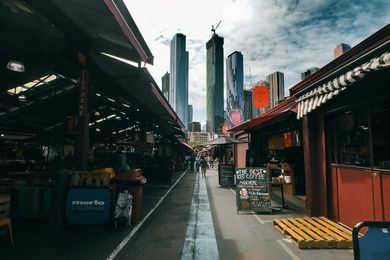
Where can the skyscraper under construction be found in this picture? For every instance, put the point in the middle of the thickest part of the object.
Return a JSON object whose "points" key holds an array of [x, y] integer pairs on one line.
{"points": [[215, 60]]}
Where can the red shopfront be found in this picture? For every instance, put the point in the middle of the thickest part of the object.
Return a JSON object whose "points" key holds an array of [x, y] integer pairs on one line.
{"points": [[345, 109]]}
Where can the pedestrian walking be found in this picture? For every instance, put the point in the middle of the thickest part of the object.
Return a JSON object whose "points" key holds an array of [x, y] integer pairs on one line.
{"points": [[203, 166]]}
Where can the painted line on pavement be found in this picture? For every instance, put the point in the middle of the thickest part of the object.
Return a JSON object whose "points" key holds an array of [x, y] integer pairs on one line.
{"points": [[138, 226], [288, 250], [200, 242]]}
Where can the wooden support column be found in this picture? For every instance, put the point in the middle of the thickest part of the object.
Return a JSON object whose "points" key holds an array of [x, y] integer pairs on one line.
{"points": [[83, 124], [315, 164]]}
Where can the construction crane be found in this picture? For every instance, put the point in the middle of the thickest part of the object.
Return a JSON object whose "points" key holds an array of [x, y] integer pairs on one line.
{"points": [[214, 29]]}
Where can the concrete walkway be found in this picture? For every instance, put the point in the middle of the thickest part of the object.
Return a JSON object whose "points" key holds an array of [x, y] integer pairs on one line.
{"points": [[200, 240], [252, 236]]}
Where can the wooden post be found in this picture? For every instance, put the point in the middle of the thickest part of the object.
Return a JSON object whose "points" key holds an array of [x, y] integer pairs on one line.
{"points": [[315, 164]]}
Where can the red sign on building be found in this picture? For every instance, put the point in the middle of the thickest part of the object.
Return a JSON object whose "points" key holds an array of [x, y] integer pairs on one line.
{"points": [[261, 96]]}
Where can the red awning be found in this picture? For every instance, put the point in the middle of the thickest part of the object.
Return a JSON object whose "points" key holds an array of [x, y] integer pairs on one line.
{"points": [[187, 145], [287, 106]]}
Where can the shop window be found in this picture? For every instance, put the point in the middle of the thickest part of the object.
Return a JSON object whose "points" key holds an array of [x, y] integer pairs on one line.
{"points": [[351, 138], [381, 138]]}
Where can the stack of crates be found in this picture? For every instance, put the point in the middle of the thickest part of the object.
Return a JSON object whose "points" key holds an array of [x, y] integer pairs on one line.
{"points": [[96, 178]]}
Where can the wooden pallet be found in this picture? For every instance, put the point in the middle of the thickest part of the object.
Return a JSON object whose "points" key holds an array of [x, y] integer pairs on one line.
{"points": [[315, 232]]}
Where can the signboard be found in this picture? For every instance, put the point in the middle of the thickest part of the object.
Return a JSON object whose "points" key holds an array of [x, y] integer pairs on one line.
{"points": [[88, 206], [252, 189], [226, 174], [260, 95]]}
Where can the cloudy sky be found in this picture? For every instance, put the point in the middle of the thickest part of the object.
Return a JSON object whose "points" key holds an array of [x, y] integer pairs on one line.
{"points": [[273, 35]]}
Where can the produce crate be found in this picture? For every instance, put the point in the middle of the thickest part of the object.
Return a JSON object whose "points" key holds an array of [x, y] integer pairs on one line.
{"points": [[315, 232]]}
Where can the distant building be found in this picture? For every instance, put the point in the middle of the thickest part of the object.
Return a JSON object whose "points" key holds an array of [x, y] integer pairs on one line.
{"points": [[214, 96], [165, 85], [276, 82], [308, 72], [198, 137], [234, 89], [248, 104], [194, 127], [178, 95], [340, 49], [190, 113]]}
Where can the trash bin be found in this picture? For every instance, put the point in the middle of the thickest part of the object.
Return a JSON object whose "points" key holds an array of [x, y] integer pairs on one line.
{"points": [[132, 181]]}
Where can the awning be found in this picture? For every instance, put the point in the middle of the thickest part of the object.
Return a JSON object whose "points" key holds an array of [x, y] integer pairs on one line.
{"points": [[187, 146], [318, 96]]}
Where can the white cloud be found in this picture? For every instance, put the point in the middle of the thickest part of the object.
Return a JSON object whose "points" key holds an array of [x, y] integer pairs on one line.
{"points": [[284, 35]]}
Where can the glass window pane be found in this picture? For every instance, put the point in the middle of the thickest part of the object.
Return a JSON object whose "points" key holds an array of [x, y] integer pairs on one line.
{"points": [[350, 137], [381, 138]]}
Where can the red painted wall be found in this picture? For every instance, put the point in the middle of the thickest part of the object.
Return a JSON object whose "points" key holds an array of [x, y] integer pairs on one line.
{"points": [[386, 195], [355, 195]]}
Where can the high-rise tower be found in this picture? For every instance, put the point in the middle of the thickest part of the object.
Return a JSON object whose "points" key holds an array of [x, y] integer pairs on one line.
{"points": [[340, 49], [234, 89], [165, 85], [215, 116], [276, 82], [248, 104], [190, 114], [178, 87]]}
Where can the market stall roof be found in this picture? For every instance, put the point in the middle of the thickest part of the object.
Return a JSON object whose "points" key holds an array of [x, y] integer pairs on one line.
{"points": [[369, 56], [224, 140], [285, 108], [52, 39]]}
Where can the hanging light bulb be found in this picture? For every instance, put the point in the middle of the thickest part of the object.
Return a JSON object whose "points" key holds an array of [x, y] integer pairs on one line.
{"points": [[15, 65]]}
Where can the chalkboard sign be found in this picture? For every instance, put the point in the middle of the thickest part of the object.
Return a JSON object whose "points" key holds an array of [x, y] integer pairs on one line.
{"points": [[226, 174], [252, 190]]}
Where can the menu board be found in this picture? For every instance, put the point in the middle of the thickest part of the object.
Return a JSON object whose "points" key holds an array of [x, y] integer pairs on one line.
{"points": [[226, 174], [252, 190]]}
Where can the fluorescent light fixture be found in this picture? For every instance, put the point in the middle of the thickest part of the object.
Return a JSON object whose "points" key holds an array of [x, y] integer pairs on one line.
{"points": [[22, 98], [111, 116], [125, 105], [15, 65], [97, 94], [111, 99], [129, 62]]}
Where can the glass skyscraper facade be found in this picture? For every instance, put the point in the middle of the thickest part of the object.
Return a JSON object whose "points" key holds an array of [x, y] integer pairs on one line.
{"points": [[165, 85], [248, 104], [214, 95], [178, 80], [234, 89]]}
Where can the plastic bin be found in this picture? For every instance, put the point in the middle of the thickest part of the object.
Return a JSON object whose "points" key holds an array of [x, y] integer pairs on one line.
{"points": [[133, 181]]}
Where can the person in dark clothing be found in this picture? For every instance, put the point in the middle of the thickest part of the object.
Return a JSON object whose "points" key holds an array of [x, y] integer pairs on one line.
{"points": [[203, 166], [192, 160]]}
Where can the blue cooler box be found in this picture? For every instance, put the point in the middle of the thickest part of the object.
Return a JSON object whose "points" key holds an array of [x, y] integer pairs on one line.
{"points": [[88, 206]]}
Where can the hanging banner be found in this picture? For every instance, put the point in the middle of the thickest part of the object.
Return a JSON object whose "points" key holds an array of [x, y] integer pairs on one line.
{"points": [[260, 95]]}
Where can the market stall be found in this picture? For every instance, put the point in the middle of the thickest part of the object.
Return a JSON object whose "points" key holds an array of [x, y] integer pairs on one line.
{"points": [[67, 104]]}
